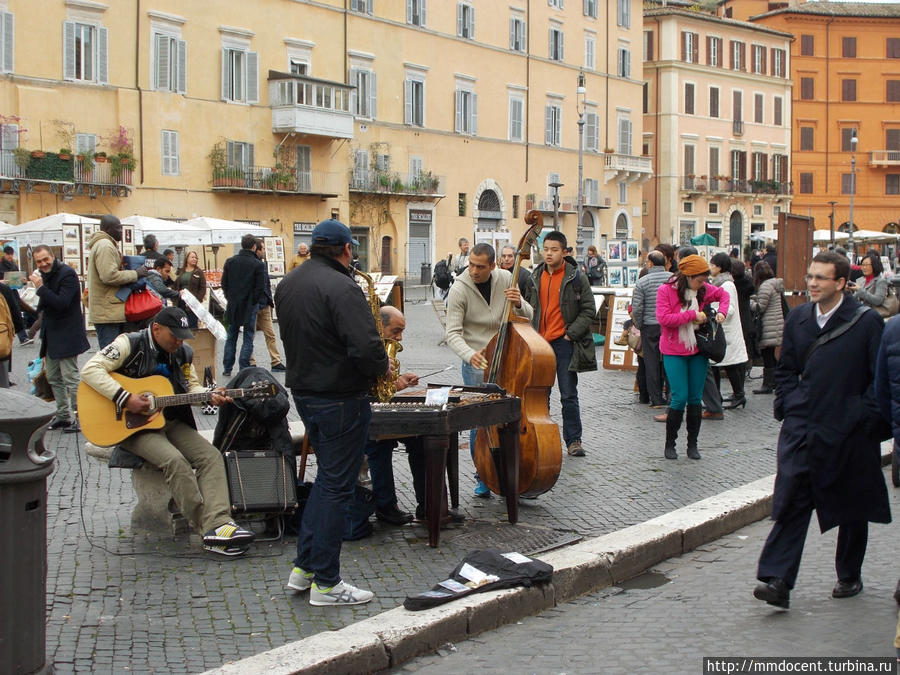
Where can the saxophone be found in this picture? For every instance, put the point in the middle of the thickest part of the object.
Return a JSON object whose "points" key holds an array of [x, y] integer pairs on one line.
{"points": [[386, 385]]}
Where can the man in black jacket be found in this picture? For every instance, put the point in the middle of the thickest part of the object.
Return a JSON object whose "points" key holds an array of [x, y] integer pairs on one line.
{"points": [[334, 355], [243, 277], [63, 336]]}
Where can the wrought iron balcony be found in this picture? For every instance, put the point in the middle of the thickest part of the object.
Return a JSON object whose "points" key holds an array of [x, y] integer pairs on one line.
{"points": [[375, 181], [310, 106], [280, 179], [702, 184], [567, 204], [69, 176], [737, 127]]}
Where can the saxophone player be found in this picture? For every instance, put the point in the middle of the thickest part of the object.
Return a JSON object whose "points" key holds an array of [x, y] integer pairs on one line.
{"points": [[334, 355]]}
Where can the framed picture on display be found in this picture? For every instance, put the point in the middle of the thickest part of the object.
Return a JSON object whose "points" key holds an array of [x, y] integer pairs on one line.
{"points": [[71, 250], [632, 254], [276, 269], [74, 263], [617, 358], [70, 233], [615, 276], [621, 305], [633, 275], [613, 252]]}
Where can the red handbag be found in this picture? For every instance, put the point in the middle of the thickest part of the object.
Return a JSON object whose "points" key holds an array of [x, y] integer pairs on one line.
{"points": [[142, 304]]}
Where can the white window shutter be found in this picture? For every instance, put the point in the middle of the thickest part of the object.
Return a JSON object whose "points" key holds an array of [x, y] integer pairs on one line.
{"points": [[176, 157], [8, 42], [162, 62], [459, 19], [252, 77], [472, 22], [373, 95], [627, 63], [512, 34], [226, 74], [459, 121], [550, 53], [354, 93], [562, 46], [548, 125], [102, 55], [619, 62], [422, 4], [181, 87], [69, 50], [250, 161], [473, 127], [370, 5], [409, 11], [164, 152], [407, 102]]}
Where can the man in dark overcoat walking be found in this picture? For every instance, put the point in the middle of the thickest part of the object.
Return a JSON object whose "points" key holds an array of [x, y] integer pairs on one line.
{"points": [[829, 448], [243, 277], [63, 336]]}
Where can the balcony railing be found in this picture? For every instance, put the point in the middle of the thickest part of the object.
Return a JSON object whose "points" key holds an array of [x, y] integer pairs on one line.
{"points": [[631, 163], [884, 158], [545, 204], [310, 106], [273, 179], [737, 186], [737, 127], [423, 183], [52, 169]]}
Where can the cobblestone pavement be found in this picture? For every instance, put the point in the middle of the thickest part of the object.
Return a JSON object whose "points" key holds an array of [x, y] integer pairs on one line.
{"points": [[699, 604], [117, 601]]}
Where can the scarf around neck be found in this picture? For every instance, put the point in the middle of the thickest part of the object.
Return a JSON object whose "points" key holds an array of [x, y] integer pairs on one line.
{"points": [[686, 330]]}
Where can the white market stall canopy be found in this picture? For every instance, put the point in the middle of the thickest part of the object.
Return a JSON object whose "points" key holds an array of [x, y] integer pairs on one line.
{"points": [[820, 236], [47, 230], [227, 231], [167, 231]]}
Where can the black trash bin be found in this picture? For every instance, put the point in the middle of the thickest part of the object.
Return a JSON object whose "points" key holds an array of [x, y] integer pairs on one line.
{"points": [[24, 467], [425, 278]]}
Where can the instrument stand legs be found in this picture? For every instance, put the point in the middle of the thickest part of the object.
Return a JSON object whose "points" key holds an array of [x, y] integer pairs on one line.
{"points": [[435, 465], [508, 468]]}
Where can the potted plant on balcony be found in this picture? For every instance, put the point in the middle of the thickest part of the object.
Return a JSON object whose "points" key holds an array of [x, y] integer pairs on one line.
{"points": [[217, 159], [100, 157], [22, 158], [530, 201], [609, 151], [65, 154], [86, 161], [38, 154]]}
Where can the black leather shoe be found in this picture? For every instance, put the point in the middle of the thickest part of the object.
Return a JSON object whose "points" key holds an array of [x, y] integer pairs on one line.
{"points": [[394, 516], [847, 589], [59, 424], [775, 592]]}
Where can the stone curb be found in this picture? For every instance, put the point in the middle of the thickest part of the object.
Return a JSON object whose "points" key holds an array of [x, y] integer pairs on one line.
{"points": [[398, 635]]}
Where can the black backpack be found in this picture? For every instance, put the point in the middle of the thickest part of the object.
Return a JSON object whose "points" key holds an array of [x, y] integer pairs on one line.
{"points": [[442, 278]]}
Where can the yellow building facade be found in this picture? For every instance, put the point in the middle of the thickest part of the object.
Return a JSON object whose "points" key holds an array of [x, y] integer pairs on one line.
{"points": [[414, 122]]}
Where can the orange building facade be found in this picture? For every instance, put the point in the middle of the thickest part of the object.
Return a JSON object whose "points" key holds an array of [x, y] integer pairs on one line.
{"points": [[845, 68]]}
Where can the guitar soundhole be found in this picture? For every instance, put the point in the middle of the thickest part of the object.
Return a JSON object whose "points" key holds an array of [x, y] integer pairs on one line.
{"points": [[135, 420]]}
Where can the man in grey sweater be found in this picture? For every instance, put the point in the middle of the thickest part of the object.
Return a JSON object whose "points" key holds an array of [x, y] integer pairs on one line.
{"points": [[643, 313]]}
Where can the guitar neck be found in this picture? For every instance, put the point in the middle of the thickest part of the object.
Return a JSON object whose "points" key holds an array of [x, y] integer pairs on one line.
{"points": [[198, 397]]}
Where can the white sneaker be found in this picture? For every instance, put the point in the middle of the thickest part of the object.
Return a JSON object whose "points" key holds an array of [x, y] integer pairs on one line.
{"points": [[341, 593], [300, 581]]}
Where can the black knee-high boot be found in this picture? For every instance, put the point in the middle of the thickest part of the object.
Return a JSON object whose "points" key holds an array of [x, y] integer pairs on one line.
{"points": [[673, 424], [694, 416]]}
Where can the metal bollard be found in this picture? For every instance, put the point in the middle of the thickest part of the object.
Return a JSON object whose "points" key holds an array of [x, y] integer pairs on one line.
{"points": [[24, 467]]}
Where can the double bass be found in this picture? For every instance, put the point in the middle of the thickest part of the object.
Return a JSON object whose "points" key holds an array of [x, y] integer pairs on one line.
{"points": [[523, 363]]}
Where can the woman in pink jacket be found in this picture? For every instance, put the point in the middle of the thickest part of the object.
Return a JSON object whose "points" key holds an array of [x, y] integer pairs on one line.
{"points": [[682, 304]]}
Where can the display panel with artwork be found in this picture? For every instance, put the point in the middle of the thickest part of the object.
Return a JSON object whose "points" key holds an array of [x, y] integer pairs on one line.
{"points": [[614, 251], [615, 276], [632, 252]]}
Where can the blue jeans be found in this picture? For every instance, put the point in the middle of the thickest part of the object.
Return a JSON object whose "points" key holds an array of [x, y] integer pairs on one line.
{"points": [[381, 468], [472, 376], [687, 375], [337, 430], [249, 327], [567, 380], [107, 332]]}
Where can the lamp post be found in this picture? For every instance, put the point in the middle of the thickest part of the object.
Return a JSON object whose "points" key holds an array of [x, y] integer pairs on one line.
{"points": [[556, 187], [853, 142], [831, 217], [580, 93]]}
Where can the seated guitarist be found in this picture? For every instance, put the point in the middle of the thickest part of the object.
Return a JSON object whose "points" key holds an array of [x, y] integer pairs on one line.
{"points": [[177, 449]]}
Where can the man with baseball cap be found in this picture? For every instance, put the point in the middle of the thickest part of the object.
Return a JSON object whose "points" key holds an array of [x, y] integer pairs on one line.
{"points": [[334, 355], [177, 449]]}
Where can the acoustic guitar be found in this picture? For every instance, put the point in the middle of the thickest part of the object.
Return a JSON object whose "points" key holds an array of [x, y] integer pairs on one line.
{"points": [[103, 424]]}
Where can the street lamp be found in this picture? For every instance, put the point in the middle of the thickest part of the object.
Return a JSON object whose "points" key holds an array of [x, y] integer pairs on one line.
{"points": [[580, 93], [556, 187], [832, 223], [853, 142]]}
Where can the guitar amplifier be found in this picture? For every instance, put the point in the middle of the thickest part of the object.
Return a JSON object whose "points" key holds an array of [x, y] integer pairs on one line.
{"points": [[260, 482]]}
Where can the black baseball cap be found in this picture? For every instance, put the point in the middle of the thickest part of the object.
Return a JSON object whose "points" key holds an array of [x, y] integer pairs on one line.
{"points": [[332, 232], [176, 321]]}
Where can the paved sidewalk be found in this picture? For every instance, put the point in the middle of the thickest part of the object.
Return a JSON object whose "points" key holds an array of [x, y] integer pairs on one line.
{"points": [[121, 602], [698, 604]]}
